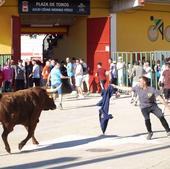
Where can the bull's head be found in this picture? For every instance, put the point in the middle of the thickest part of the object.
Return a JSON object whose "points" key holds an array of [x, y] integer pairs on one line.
{"points": [[49, 104], [51, 100]]}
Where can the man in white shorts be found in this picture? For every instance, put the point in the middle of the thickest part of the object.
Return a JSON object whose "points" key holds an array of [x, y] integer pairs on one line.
{"points": [[79, 78]]}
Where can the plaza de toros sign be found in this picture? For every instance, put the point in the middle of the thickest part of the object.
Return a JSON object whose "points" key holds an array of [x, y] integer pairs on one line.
{"points": [[79, 7]]}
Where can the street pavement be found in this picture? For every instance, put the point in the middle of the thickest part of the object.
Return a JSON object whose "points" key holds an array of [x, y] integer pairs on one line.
{"points": [[72, 139]]}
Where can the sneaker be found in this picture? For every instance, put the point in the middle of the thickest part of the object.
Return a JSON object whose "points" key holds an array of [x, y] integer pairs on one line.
{"points": [[131, 101], [117, 95], [74, 93], [168, 133], [60, 106], [81, 97], [149, 136], [88, 93]]}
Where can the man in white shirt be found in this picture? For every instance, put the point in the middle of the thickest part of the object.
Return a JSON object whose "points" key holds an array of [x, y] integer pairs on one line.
{"points": [[79, 78]]}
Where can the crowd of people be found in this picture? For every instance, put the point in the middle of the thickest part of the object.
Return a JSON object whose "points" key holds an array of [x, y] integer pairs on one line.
{"points": [[119, 73], [23, 75], [33, 73]]}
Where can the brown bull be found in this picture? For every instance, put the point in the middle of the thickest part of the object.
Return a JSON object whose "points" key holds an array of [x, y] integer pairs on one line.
{"points": [[23, 107]]}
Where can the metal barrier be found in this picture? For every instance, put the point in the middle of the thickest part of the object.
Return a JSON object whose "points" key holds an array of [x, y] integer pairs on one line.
{"points": [[149, 56], [3, 58]]}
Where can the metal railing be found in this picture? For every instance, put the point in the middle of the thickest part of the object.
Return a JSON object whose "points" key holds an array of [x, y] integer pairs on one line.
{"points": [[150, 56], [3, 58]]}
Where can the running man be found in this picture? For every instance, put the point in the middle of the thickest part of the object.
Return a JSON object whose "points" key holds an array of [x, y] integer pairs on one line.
{"points": [[56, 77], [147, 98]]}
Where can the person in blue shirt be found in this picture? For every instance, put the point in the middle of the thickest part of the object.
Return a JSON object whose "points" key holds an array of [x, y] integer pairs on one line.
{"points": [[55, 77], [70, 73]]}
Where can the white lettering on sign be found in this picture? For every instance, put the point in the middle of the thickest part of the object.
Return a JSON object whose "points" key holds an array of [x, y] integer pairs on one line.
{"points": [[57, 9], [68, 10], [39, 4], [52, 4], [62, 4]]}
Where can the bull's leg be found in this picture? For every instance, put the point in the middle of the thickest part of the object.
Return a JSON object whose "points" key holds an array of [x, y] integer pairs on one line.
{"points": [[30, 134], [34, 140], [5, 133]]}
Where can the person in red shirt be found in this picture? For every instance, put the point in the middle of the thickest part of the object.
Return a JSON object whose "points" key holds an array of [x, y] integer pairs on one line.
{"points": [[101, 74], [166, 81]]}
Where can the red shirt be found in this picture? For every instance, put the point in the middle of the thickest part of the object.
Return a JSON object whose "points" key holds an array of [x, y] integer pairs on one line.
{"points": [[1, 78], [101, 73], [166, 75]]}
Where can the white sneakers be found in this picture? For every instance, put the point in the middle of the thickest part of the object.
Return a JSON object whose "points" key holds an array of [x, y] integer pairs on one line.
{"points": [[80, 97]]}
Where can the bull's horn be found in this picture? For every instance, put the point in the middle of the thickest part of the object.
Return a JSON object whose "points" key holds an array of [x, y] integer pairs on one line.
{"points": [[51, 90]]}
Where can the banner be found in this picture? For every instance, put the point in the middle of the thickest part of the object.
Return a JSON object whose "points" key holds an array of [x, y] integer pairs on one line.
{"points": [[78, 7]]}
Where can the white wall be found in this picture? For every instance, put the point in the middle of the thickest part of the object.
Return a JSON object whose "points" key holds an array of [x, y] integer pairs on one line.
{"points": [[31, 47]]}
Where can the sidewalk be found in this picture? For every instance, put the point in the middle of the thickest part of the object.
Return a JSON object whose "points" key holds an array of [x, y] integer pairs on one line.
{"points": [[72, 139]]}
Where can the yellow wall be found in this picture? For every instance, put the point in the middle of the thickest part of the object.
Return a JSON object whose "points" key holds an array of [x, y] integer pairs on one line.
{"points": [[6, 11], [99, 8], [132, 28], [75, 43]]}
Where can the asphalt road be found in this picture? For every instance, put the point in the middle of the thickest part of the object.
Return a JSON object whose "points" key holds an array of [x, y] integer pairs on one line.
{"points": [[71, 139]]}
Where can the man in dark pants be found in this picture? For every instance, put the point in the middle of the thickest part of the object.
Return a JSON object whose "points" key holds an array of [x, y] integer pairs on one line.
{"points": [[147, 98]]}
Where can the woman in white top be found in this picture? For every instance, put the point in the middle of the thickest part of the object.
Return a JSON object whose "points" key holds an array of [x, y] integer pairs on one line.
{"points": [[120, 70]]}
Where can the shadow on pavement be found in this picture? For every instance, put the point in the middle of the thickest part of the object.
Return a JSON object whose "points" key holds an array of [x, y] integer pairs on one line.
{"points": [[42, 164], [112, 157], [66, 144]]}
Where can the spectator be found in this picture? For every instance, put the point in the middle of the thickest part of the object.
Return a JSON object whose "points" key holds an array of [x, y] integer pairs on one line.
{"points": [[19, 76], [101, 74], [157, 69], [112, 71], [137, 72], [29, 68], [148, 71], [120, 69], [1, 79], [35, 73], [52, 64], [166, 82], [8, 76], [45, 73], [85, 76], [70, 73], [79, 78]]}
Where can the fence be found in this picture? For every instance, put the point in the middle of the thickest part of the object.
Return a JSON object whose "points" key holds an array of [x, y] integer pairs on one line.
{"points": [[3, 58], [149, 56]]}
